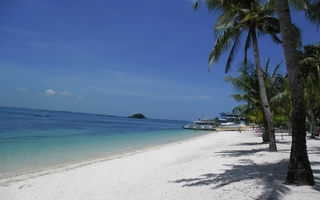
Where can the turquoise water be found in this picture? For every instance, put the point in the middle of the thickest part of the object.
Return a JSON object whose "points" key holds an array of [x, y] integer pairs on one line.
{"points": [[32, 142]]}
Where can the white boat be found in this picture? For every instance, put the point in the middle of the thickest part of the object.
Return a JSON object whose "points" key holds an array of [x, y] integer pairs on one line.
{"points": [[202, 125], [199, 127], [226, 123], [230, 126]]}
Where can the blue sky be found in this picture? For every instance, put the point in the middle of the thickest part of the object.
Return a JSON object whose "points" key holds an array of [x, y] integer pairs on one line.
{"points": [[118, 57]]}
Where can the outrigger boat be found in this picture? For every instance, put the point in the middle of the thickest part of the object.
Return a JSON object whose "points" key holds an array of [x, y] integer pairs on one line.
{"points": [[229, 126], [201, 125], [222, 127], [226, 123]]}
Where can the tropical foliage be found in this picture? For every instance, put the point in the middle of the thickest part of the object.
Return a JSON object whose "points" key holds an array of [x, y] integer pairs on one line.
{"points": [[248, 87], [299, 169], [309, 65], [311, 8], [238, 16], [254, 19]]}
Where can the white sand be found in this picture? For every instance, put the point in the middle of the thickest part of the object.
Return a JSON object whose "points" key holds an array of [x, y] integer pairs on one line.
{"points": [[223, 165]]}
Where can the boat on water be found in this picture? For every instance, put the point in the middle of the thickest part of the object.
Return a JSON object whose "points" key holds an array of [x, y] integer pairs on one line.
{"points": [[226, 122], [199, 127], [230, 126]]}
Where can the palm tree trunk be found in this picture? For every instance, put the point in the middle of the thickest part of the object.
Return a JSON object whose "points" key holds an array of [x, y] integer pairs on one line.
{"points": [[263, 94], [299, 169], [265, 134], [313, 122]]}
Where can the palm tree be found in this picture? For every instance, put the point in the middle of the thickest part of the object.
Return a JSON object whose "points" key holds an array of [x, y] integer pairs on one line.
{"points": [[246, 84], [299, 169], [314, 15], [311, 8], [310, 69], [248, 87], [282, 103], [237, 18]]}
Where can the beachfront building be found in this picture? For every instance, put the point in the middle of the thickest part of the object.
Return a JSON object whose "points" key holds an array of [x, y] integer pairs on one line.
{"points": [[230, 117]]}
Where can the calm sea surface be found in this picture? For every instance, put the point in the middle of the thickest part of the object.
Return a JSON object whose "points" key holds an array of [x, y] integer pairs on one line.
{"points": [[31, 139]]}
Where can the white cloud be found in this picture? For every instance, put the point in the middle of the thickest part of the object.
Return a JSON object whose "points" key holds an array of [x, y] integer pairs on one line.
{"points": [[50, 92], [19, 89], [68, 94], [65, 93]]}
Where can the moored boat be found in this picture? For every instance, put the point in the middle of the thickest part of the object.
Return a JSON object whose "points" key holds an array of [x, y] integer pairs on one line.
{"points": [[199, 127], [229, 126], [202, 125], [226, 122]]}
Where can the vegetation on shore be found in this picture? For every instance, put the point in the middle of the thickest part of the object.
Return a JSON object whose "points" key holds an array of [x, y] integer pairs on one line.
{"points": [[139, 116], [301, 85]]}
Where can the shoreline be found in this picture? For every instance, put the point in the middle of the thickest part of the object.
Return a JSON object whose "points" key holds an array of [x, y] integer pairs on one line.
{"points": [[41, 170], [58, 154], [217, 165]]}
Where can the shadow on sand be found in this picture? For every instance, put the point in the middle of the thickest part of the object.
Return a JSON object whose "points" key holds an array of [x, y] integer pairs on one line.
{"points": [[268, 176]]}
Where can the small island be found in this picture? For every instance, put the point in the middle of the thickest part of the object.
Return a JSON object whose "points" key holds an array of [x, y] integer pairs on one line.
{"points": [[139, 116]]}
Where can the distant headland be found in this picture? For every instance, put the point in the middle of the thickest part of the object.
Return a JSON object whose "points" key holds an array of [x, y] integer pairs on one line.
{"points": [[139, 115]]}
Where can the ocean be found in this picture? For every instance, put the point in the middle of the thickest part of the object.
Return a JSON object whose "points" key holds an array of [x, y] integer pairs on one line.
{"points": [[33, 139]]}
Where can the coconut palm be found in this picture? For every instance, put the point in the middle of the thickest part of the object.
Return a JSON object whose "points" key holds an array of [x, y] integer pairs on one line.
{"points": [[246, 84], [310, 69], [248, 87], [237, 18], [299, 169], [314, 15], [310, 7], [282, 103]]}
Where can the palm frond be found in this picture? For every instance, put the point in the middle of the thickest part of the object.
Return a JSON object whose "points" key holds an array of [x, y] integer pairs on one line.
{"points": [[246, 47], [297, 33], [269, 7], [300, 4], [276, 69], [233, 51], [223, 43]]}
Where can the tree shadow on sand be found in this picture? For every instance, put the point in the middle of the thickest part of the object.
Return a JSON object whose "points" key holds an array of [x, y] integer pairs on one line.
{"points": [[268, 176], [316, 171], [249, 143], [246, 170], [239, 153], [315, 165]]}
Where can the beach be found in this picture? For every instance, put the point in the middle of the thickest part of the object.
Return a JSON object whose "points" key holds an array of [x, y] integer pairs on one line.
{"points": [[218, 165]]}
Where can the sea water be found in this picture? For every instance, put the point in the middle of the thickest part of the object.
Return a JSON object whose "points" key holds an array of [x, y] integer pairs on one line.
{"points": [[35, 139]]}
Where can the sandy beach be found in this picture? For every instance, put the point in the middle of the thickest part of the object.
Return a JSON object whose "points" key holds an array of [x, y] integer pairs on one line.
{"points": [[220, 165]]}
